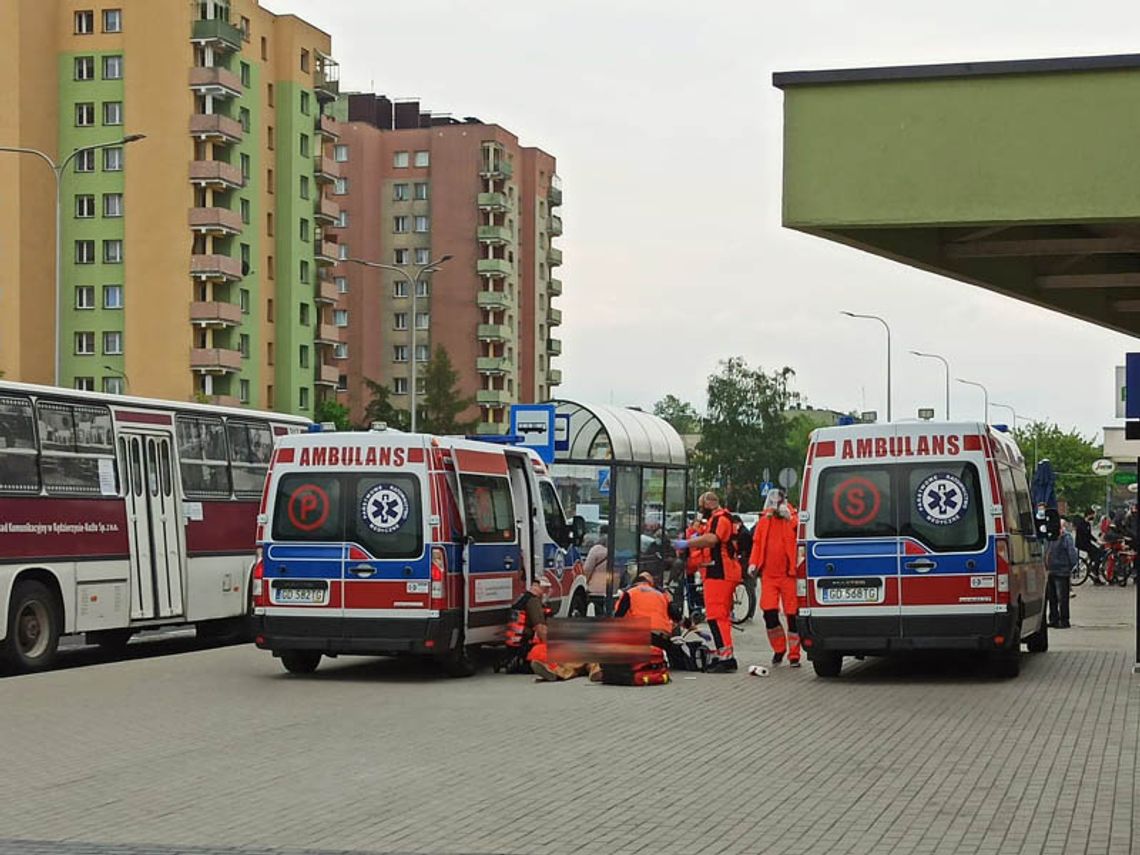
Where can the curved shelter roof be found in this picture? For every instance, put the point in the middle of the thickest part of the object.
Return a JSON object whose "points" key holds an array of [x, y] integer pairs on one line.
{"points": [[618, 435]]}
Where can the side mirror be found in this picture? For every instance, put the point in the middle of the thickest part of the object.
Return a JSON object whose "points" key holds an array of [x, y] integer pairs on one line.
{"points": [[578, 530], [1050, 526]]}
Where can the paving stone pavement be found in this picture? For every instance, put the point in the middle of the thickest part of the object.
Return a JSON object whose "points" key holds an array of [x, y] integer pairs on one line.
{"points": [[219, 751]]}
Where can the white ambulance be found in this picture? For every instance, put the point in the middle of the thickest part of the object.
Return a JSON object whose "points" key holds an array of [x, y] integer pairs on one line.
{"points": [[386, 543], [918, 536]]}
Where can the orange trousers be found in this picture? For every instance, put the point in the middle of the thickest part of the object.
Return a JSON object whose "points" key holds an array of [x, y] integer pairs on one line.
{"points": [[718, 611]]}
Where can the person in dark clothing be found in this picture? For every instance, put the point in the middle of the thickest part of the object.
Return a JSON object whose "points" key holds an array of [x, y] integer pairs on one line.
{"points": [[1060, 559], [1087, 543]]}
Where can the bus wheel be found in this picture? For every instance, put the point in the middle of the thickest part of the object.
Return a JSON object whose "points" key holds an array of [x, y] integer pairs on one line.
{"points": [[33, 628], [459, 662], [300, 661], [578, 603], [827, 665]]}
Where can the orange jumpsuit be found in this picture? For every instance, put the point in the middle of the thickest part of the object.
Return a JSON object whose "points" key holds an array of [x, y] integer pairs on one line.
{"points": [[774, 554], [721, 579]]}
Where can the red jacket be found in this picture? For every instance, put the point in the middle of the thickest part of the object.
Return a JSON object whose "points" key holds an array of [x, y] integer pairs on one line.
{"points": [[769, 526]]}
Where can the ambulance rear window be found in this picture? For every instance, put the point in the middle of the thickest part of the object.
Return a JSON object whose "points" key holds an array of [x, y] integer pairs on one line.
{"points": [[308, 507], [855, 501]]}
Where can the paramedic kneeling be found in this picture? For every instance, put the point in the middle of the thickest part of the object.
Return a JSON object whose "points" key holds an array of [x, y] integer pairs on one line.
{"points": [[774, 556], [721, 578], [527, 629], [644, 601]]}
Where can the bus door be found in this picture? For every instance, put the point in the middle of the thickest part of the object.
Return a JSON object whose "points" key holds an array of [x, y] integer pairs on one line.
{"points": [[153, 523], [493, 571]]}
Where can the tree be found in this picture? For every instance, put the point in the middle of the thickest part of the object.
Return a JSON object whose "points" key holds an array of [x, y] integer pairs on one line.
{"points": [[441, 403], [1071, 455], [329, 410], [680, 414], [381, 408], [744, 431]]}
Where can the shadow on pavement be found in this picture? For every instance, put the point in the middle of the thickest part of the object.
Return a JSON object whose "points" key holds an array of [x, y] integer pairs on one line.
{"points": [[381, 669], [942, 668], [79, 655]]}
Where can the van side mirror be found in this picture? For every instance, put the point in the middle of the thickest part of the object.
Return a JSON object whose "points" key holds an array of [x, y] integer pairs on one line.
{"points": [[578, 530], [1049, 527]]}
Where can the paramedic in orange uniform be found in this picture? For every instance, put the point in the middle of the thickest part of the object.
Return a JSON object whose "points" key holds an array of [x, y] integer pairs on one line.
{"points": [[721, 578], [645, 602], [774, 556]]}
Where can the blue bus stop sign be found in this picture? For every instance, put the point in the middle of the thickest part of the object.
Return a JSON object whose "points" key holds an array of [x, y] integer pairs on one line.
{"points": [[534, 425]]}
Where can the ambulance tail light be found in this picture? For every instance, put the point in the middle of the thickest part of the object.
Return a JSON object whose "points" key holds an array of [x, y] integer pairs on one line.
{"points": [[1002, 552], [801, 576], [438, 571], [258, 591]]}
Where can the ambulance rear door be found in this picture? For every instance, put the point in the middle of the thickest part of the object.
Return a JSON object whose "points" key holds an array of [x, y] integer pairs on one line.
{"points": [[493, 571]]}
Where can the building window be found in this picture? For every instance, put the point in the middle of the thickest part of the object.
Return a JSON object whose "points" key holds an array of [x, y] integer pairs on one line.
{"points": [[112, 296], [304, 61], [304, 314], [265, 56], [243, 345], [113, 251], [341, 284], [303, 398], [269, 353], [400, 192], [243, 118], [423, 353], [270, 138], [340, 153], [112, 112], [400, 288], [112, 20], [340, 350], [84, 206], [112, 343], [421, 223], [84, 114], [400, 385], [85, 68], [113, 385], [85, 161], [421, 288], [245, 78], [85, 344], [85, 252], [304, 356], [304, 186], [421, 191], [400, 224], [269, 223], [243, 391], [269, 397], [113, 159], [84, 22], [400, 256], [422, 320], [85, 297], [269, 272], [112, 204], [113, 67], [340, 317], [304, 144], [269, 314], [269, 185], [342, 219], [340, 188], [423, 255], [304, 230], [342, 251], [305, 108], [400, 353], [423, 158], [85, 384], [246, 256], [304, 271], [400, 160], [243, 300], [243, 206], [400, 320]]}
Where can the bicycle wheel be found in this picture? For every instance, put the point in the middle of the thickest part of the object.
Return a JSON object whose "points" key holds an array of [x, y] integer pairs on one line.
{"points": [[1080, 572]]}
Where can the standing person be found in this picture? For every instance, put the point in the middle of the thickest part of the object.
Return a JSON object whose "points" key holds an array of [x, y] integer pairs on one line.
{"points": [[1060, 559], [721, 578], [774, 557], [696, 562], [597, 571]]}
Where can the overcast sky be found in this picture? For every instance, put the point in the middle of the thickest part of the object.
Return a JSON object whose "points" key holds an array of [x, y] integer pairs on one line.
{"points": [[667, 132]]}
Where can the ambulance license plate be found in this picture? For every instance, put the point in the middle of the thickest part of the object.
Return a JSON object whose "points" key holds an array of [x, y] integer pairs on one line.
{"points": [[300, 593], [850, 591]]}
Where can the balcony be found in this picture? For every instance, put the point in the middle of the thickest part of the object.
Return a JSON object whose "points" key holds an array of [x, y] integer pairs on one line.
{"points": [[215, 221], [493, 332], [223, 401], [216, 81], [554, 256], [493, 397], [493, 267], [326, 211], [495, 234], [497, 168], [326, 79], [495, 300], [215, 313], [326, 251], [554, 287], [326, 291], [554, 346], [326, 375], [216, 173], [493, 364], [493, 201], [554, 316], [215, 267], [554, 376], [214, 126], [215, 360], [555, 196], [218, 33], [555, 225], [327, 334], [325, 126], [326, 169]]}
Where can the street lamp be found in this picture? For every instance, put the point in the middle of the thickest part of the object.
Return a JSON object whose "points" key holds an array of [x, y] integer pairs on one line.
{"points": [[121, 373], [886, 326], [946, 365], [57, 171], [985, 393], [413, 282], [1016, 419]]}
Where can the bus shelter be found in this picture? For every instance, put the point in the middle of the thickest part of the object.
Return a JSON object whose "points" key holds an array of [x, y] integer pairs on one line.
{"points": [[625, 472]]}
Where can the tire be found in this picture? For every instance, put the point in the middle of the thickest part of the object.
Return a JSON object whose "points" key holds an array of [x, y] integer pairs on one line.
{"points": [[34, 624], [827, 665], [743, 603], [1080, 572], [579, 603], [300, 661], [459, 662], [1039, 641]]}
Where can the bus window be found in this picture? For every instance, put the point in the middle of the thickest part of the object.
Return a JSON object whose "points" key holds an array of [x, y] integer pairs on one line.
{"points": [[18, 470], [251, 446], [202, 457], [73, 440]]}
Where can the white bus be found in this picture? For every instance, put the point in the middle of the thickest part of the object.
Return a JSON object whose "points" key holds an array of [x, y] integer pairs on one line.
{"points": [[119, 514]]}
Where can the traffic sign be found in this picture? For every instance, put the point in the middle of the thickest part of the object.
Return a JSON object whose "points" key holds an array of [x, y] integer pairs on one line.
{"points": [[534, 424], [561, 431], [1124, 478], [1132, 381], [765, 488], [604, 481], [787, 477], [1104, 466]]}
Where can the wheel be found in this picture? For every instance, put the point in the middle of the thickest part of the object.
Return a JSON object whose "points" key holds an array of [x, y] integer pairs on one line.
{"points": [[300, 661], [1080, 572], [579, 603], [827, 665], [459, 662], [33, 628], [111, 640], [1039, 641], [743, 603]]}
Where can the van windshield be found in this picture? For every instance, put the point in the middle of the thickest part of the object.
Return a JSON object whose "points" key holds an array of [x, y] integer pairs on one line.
{"points": [[937, 503]]}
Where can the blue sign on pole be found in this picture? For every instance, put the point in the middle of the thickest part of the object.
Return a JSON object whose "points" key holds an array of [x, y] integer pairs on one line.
{"points": [[561, 431], [1132, 385], [765, 487], [604, 481], [534, 425]]}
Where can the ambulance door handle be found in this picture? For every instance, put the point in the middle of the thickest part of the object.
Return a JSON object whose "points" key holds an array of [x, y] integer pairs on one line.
{"points": [[364, 570], [921, 566]]}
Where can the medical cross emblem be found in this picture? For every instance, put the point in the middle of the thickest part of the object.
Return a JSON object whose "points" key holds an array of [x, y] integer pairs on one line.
{"points": [[385, 508], [942, 499]]}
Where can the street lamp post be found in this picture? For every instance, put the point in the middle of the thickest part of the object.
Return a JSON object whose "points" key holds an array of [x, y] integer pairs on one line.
{"points": [[887, 327], [1016, 419], [413, 283], [946, 365], [985, 393], [121, 373], [57, 171]]}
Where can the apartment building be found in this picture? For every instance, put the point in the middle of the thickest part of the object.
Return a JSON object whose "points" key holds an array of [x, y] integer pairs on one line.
{"points": [[415, 187], [192, 222]]}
